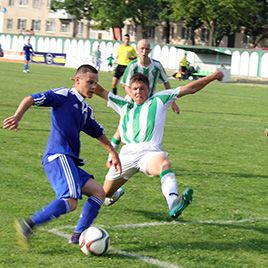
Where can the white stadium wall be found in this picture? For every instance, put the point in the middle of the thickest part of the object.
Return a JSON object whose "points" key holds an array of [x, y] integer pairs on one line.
{"points": [[243, 63]]}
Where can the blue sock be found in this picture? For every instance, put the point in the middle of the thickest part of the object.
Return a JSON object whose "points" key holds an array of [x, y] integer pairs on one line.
{"points": [[51, 211], [90, 211], [26, 67]]}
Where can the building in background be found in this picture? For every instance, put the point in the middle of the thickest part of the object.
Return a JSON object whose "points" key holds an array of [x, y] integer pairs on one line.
{"points": [[35, 17]]}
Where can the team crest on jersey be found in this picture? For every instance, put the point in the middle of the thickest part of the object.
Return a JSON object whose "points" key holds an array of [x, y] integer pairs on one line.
{"points": [[76, 106]]}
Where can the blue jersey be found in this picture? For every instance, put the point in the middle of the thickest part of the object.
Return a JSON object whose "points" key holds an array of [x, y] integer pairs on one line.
{"points": [[70, 114], [28, 50]]}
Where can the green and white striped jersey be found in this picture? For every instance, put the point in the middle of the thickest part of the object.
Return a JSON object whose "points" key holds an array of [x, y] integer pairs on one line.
{"points": [[145, 122], [155, 73]]}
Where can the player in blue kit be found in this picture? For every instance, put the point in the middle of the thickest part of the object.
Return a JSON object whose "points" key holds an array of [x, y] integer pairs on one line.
{"points": [[28, 51], [70, 114]]}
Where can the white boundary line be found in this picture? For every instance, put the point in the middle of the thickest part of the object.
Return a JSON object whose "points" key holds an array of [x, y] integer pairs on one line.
{"points": [[156, 262], [145, 259], [159, 223]]}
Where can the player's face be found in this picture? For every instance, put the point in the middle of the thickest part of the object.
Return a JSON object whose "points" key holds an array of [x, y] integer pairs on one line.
{"points": [[144, 49], [126, 40], [86, 84], [138, 92]]}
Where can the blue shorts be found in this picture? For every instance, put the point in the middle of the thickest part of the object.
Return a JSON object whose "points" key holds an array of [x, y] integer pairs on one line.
{"points": [[27, 57], [66, 179]]}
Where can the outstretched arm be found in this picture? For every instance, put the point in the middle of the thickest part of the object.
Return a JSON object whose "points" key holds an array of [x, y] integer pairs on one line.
{"points": [[100, 91], [197, 85], [174, 106], [110, 149], [12, 122]]}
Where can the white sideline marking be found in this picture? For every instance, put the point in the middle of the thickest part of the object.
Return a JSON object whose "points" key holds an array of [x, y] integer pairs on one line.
{"points": [[145, 259], [159, 223], [220, 222], [149, 260]]}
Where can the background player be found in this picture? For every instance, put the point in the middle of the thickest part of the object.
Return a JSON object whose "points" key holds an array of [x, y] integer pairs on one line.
{"points": [[151, 68], [28, 52], [125, 54]]}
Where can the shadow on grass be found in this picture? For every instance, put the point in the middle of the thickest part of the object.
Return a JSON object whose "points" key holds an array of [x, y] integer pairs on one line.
{"points": [[184, 172], [257, 245], [239, 225], [221, 113]]}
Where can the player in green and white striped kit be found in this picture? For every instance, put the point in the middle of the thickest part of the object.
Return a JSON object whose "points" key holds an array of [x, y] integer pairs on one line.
{"points": [[141, 127], [152, 69]]}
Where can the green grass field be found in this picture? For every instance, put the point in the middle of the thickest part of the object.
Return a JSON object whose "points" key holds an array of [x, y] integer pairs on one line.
{"points": [[216, 145]]}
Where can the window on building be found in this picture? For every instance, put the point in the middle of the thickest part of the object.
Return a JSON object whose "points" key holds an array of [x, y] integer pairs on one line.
{"points": [[164, 32], [150, 32], [80, 28], [23, 3], [172, 32], [185, 33], [65, 26], [204, 35], [9, 24], [50, 26], [22, 24], [246, 39], [37, 3], [36, 25], [11, 3], [132, 30]]}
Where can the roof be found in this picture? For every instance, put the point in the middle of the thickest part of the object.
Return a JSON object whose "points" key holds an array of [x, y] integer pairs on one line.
{"points": [[206, 50]]}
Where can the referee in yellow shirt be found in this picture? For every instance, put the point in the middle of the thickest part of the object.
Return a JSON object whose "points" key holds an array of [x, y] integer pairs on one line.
{"points": [[125, 54]]}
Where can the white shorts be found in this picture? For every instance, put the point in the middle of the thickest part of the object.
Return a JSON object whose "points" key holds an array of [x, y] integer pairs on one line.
{"points": [[134, 158]]}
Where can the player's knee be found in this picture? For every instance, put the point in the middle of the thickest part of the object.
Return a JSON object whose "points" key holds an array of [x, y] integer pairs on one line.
{"points": [[72, 203], [165, 164]]}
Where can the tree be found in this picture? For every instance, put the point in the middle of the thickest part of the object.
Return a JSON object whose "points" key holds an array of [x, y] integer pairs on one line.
{"points": [[190, 12], [105, 13], [256, 25], [81, 9], [145, 13], [111, 14], [165, 15], [221, 17]]}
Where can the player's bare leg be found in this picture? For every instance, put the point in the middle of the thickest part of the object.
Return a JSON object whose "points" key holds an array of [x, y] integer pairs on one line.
{"points": [[114, 85], [113, 190], [160, 165]]}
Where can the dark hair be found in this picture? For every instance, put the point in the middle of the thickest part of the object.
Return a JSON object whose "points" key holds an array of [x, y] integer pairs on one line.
{"points": [[139, 77], [127, 35], [86, 68]]}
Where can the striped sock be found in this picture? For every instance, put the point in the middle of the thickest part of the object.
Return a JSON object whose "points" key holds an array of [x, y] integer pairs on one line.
{"points": [[53, 210], [90, 211], [169, 186]]}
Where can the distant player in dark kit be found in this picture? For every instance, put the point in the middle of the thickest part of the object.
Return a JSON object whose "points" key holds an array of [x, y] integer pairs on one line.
{"points": [[70, 115], [28, 52]]}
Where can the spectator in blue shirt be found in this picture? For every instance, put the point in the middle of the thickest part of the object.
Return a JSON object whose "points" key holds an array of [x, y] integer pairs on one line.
{"points": [[70, 114]]}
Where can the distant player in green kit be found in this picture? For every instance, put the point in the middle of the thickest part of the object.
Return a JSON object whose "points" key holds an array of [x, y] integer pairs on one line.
{"points": [[110, 62], [141, 126]]}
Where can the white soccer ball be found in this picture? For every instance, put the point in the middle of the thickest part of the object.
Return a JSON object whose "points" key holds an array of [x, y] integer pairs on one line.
{"points": [[94, 240]]}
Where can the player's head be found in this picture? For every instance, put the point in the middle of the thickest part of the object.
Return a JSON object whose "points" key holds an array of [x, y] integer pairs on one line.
{"points": [[126, 39], [85, 80], [144, 47], [139, 88]]}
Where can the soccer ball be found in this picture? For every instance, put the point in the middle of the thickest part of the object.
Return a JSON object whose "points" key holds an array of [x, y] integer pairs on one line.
{"points": [[94, 240]]}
